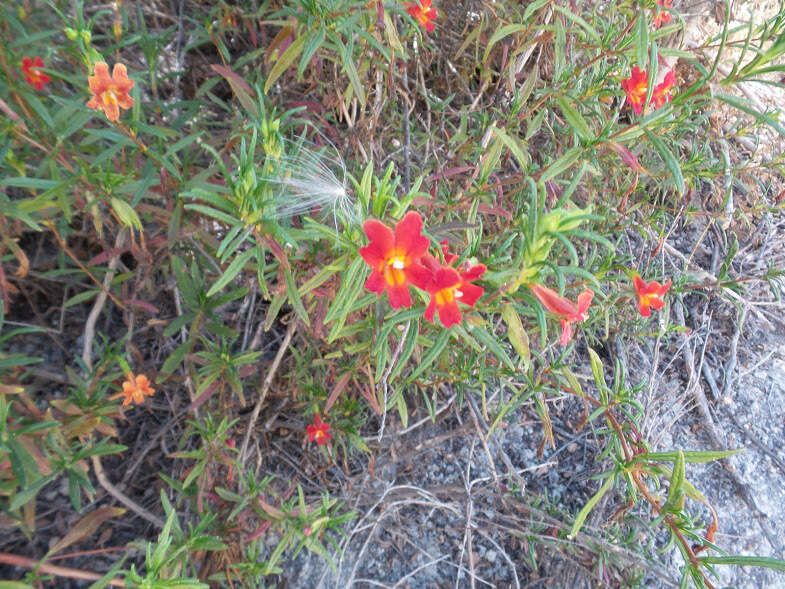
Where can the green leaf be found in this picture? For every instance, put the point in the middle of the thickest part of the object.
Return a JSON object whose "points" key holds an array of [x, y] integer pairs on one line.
{"points": [[584, 513], [599, 377], [754, 561], [677, 481], [642, 40], [492, 343], [408, 348], [126, 213], [670, 161], [430, 356], [28, 494], [575, 119], [354, 77], [517, 334], [402, 411], [36, 183], [312, 44], [528, 86], [690, 456], [514, 145], [232, 270], [294, 296], [500, 34], [560, 165], [175, 358], [23, 464], [284, 61], [532, 7], [491, 158]]}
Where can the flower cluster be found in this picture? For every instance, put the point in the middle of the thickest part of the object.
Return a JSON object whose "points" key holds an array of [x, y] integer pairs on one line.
{"points": [[31, 68], [110, 93], [663, 17], [421, 11], [400, 258], [637, 87]]}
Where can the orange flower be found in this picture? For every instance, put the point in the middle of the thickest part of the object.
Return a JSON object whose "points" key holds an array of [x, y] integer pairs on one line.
{"points": [[636, 87], [110, 94], [318, 431], [662, 92], [663, 16], [449, 286], [421, 11], [649, 294], [395, 258], [135, 388], [33, 75], [567, 311]]}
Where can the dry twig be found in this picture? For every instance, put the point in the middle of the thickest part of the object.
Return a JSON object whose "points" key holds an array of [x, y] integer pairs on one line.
{"points": [[268, 381]]}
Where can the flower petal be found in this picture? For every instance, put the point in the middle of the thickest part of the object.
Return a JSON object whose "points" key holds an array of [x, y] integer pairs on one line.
{"points": [[471, 293], [430, 310], [639, 284], [375, 282], [379, 235], [552, 301], [125, 101], [399, 296], [444, 278], [584, 300], [566, 332], [372, 254], [408, 236], [450, 314], [418, 275], [112, 111], [473, 273]]}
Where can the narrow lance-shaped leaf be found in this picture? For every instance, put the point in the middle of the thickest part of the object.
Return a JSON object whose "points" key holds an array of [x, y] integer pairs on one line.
{"points": [[584, 513]]}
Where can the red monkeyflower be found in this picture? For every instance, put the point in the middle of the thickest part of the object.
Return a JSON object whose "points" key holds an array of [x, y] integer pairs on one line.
{"points": [[395, 258], [567, 311], [662, 91], [110, 94], [421, 11], [33, 74], [649, 294], [663, 16], [449, 286], [636, 87], [318, 431]]}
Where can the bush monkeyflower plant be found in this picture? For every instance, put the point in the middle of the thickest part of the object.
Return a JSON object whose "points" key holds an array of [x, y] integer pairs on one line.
{"points": [[189, 223]]}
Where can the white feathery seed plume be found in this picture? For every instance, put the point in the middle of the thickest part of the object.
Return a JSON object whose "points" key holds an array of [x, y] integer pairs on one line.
{"points": [[309, 176]]}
